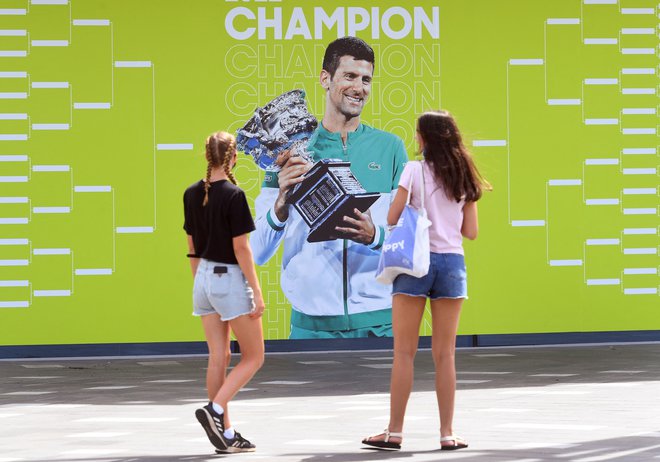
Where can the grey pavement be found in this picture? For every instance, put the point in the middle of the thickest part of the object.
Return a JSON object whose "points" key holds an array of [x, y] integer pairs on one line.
{"points": [[570, 403]]}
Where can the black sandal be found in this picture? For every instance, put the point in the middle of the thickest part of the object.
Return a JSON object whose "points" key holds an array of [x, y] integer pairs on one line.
{"points": [[386, 443], [459, 443]]}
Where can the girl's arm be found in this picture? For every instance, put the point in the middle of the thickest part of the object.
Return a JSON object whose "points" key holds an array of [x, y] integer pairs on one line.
{"points": [[243, 254], [194, 262], [470, 227], [397, 205]]}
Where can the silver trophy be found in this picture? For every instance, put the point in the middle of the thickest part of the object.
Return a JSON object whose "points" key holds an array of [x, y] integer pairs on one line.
{"points": [[282, 124], [329, 191]]}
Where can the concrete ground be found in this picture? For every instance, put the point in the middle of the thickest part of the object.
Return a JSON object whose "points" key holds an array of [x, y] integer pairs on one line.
{"points": [[571, 403]]}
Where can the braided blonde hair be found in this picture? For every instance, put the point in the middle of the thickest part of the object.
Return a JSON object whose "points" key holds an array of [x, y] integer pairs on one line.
{"points": [[220, 148]]}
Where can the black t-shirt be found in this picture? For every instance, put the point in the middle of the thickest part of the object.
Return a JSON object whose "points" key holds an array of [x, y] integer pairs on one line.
{"points": [[212, 227]]}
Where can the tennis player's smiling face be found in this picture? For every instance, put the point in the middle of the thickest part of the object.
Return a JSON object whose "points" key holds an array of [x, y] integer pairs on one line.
{"points": [[349, 88]]}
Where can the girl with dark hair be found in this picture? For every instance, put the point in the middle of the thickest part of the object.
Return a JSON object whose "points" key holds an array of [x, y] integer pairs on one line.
{"points": [[452, 187], [226, 291]]}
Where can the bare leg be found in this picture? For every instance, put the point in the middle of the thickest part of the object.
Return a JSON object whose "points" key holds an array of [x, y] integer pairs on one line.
{"points": [[217, 338], [446, 314], [249, 334], [407, 312]]}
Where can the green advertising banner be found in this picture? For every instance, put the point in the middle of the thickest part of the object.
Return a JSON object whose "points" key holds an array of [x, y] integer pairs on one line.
{"points": [[105, 107]]}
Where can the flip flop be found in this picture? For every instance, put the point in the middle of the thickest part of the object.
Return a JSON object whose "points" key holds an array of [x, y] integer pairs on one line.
{"points": [[386, 443], [459, 443]]}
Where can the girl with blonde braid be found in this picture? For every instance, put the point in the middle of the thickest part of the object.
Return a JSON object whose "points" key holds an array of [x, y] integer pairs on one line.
{"points": [[226, 291]]}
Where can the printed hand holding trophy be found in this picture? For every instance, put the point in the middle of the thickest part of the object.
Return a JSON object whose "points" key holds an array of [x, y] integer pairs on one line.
{"points": [[329, 191]]}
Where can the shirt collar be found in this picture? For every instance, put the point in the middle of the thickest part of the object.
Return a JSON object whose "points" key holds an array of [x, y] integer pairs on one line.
{"points": [[323, 133]]}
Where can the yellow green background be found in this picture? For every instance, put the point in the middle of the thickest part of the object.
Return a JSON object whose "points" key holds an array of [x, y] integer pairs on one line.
{"points": [[195, 86]]}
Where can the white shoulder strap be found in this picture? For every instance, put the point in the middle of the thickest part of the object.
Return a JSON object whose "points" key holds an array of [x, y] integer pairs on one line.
{"points": [[412, 176], [421, 173]]}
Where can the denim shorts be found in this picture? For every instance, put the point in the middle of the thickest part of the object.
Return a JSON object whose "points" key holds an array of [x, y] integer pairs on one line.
{"points": [[446, 278], [225, 293]]}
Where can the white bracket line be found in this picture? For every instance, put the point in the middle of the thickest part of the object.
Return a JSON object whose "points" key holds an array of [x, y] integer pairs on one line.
{"points": [[640, 251], [609, 201], [51, 168], [565, 182], [51, 293], [638, 71], [51, 251], [51, 85], [641, 291], [638, 11], [134, 229], [49, 43], [565, 102], [592, 242], [489, 143], [14, 283], [603, 282], [93, 272], [92, 189], [174, 147], [565, 262], [132, 64], [49, 2], [13, 242], [637, 271], [527, 223], [15, 304], [639, 151], [13, 12], [601, 41], [640, 231], [91, 22], [640, 211], [39, 210], [92, 105]]}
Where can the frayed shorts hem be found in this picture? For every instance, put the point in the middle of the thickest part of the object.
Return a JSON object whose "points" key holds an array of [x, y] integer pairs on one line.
{"points": [[410, 295], [201, 315], [431, 298]]}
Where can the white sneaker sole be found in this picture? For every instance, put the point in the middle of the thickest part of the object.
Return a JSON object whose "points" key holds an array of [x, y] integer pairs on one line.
{"points": [[206, 421], [233, 450]]}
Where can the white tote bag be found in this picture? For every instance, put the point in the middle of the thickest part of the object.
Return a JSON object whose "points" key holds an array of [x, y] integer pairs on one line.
{"points": [[406, 249]]}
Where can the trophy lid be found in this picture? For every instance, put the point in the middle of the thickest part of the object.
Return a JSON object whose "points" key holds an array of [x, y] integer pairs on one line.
{"points": [[275, 127]]}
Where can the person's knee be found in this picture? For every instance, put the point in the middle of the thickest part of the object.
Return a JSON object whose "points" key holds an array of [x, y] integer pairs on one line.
{"points": [[219, 359], [260, 361], [253, 358], [405, 352], [254, 362], [443, 355], [259, 357]]}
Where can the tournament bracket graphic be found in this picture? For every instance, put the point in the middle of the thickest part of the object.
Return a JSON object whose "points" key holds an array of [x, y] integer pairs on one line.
{"points": [[577, 153], [104, 109]]}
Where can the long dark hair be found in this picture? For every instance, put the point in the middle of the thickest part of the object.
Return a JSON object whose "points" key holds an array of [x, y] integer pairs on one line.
{"points": [[449, 159]]}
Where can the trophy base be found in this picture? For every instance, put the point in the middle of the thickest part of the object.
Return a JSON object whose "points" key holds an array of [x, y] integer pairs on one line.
{"points": [[325, 231], [329, 192]]}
